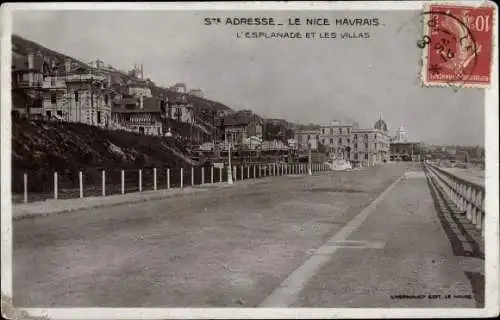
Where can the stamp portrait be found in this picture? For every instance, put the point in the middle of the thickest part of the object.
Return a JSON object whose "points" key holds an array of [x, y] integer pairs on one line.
{"points": [[457, 45]]}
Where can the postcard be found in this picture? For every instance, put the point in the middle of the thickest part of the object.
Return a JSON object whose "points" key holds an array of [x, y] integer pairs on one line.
{"points": [[249, 160]]}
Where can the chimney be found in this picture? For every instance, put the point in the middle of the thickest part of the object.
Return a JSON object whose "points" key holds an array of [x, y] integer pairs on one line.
{"points": [[31, 63], [141, 102], [67, 65]]}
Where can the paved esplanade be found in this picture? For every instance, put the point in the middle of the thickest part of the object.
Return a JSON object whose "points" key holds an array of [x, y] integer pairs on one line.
{"points": [[295, 241]]}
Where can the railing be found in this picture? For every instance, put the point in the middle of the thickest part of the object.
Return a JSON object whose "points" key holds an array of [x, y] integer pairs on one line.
{"points": [[469, 197], [108, 181]]}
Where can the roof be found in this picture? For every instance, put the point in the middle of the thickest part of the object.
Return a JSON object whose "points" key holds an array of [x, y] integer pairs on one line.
{"points": [[150, 105], [238, 119], [21, 63], [381, 125]]}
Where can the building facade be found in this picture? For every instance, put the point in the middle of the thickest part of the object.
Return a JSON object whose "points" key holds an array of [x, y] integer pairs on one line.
{"points": [[349, 142], [140, 114], [369, 146], [240, 126], [307, 139], [336, 137], [74, 93], [406, 151], [196, 92]]}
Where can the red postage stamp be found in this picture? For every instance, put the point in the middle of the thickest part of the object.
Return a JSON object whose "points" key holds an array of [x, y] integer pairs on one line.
{"points": [[457, 45]]}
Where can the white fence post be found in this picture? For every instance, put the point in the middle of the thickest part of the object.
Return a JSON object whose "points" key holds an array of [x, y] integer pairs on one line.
{"points": [[182, 178], [192, 176], [168, 178], [140, 180], [55, 185], [248, 172], [212, 174], [154, 179], [254, 171], [202, 175], [103, 183], [220, 174], [234, 171], [80, 178], [123, 181], [241, 170], [25, 188]]}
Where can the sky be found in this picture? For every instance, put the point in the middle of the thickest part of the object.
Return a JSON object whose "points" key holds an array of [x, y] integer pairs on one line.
{"points": [[300, 80]]}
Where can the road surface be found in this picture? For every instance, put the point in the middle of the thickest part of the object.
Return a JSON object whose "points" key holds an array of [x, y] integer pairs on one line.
{"points": [[254, 244]]}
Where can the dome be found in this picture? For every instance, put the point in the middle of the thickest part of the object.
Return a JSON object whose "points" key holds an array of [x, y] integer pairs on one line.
{"points": [[380, 125]]}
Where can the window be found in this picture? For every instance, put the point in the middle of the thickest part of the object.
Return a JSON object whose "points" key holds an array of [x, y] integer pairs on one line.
{"points": [[375, 136], [98, 116], [331, 141], [53, 99], [323, 131], [366, 145], [355, 136], [308, 137], [92, 99], [348, 130], [340, 130], [355, 146], [348, 141], [106, 99], [366, 156], [48, 114], [59, 113], [340, 140], [375, 145], [76, 95], [355, 156], [366, 136]]}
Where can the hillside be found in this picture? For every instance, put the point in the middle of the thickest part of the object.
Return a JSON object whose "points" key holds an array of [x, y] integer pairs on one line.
{"points": [[203, 107], [40, 148]]}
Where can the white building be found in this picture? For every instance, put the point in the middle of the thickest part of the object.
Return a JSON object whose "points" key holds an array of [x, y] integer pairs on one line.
{"points": [[401, 135], [77, 94]]}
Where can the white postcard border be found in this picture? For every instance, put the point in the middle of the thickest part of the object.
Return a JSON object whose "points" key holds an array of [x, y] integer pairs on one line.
{"points": [[491, 146]]}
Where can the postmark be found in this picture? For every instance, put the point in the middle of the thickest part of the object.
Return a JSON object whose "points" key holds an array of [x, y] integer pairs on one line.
{"points": [[457, 46]]}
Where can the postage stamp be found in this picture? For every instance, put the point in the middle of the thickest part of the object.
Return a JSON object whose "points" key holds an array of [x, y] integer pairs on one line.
{"points": [[457, 45]]}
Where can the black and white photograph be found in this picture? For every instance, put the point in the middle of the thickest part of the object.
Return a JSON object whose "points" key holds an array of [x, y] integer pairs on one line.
{"points": [[249, 160]]}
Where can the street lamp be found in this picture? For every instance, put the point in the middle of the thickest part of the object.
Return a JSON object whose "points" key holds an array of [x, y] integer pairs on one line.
{"points": [[229, 169], [309, 161]]}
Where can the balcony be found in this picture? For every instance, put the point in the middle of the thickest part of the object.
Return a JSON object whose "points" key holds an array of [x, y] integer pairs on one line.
{"points": [[54, 83], [26, 84], [84, 77]]}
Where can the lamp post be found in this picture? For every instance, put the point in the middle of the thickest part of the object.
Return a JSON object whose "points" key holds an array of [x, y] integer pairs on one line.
{"points": [[309, 160], [230, 169]]}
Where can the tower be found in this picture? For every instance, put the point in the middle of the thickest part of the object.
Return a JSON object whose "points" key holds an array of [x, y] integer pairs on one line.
{"points": [[402, 134]]}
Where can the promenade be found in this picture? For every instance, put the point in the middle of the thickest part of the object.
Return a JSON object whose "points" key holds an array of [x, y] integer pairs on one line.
{"points": [[367, 238]]}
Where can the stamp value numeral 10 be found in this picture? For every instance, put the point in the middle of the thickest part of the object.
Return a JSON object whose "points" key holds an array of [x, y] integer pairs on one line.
{"points": [[480, 23]]}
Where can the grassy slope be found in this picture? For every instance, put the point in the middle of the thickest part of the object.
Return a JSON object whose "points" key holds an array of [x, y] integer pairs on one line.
{"points": [[40, 148]]}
